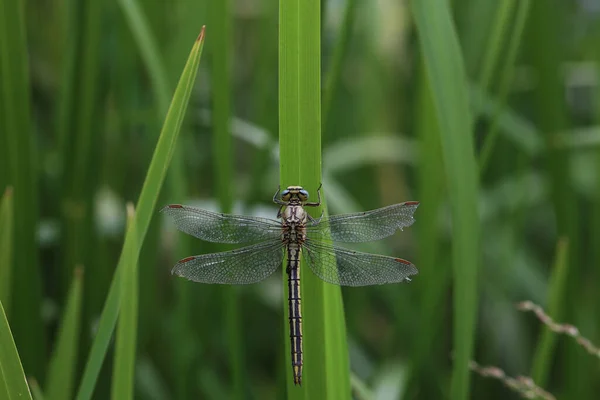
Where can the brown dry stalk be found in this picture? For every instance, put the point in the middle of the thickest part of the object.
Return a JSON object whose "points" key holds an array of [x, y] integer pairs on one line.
{"points": [[523, 385], [565, 329]]}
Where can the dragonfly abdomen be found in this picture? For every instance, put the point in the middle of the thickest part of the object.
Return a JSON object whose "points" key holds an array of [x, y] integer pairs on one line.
{"points": [[295, 310]]}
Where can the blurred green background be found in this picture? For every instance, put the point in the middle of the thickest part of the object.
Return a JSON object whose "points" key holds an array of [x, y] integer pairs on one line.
{"points": [[76, 144]]}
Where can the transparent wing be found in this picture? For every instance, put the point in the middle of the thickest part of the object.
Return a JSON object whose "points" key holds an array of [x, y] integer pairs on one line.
{"points": [[249, 264], [352, 268], [365, 226], [222, 228]]}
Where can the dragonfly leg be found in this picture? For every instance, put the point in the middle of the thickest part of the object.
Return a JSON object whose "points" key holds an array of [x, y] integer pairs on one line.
{"points": [[276, 200], [316, 221], [318, 202]]}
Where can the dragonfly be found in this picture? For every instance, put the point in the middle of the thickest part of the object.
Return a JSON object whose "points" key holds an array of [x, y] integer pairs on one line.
{"points": [[296, 233]]}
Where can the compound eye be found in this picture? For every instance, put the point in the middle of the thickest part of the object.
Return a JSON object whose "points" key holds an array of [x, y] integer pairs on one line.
{"points": [[285, 195], [304, 194]]}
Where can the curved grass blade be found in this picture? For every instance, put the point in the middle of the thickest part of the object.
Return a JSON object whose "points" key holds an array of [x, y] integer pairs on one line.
{"points": [[445, 69], [13, 384], [61, 373], [145, 210]]}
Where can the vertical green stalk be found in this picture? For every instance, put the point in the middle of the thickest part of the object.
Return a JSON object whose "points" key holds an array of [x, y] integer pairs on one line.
{"points": [[6, 243], [126, 338], [78, 153], [494, 44], [445, 70], [77, 134], [434, 282], [189, 15], [326, 370], [335, 70], [263, 101], [220, 63], [595, 231], [550, 112], [62, 370], [149, 51], [506, 78], [161, 85], [542, 359], [20, 152]]}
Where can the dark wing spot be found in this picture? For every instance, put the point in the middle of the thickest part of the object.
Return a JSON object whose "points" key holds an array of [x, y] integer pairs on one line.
{"points": [[187, 259], [403, 261], [175, 206], [412, 203]]}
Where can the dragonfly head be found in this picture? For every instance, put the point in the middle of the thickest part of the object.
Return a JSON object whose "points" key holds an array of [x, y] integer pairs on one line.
{"points": [[294, 192]]}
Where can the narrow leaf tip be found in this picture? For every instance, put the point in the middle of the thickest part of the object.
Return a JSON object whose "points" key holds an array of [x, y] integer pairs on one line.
{"points": [[78, 273], [201, 35], [130, 210]]}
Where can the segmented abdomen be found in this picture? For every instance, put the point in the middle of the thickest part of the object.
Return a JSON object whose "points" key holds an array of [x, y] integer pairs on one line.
{"points": [[295, 310]]}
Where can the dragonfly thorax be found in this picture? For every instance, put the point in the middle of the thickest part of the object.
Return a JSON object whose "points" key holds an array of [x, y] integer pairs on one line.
{"points": [[294, 219]]}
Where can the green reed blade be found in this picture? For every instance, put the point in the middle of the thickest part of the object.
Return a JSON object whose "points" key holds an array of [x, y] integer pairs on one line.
{"points": [[36, 390], [494, 44], [63, 364], [20, 158], [220, 12], [13, 384], [506, 79], [149, 52], [542, 359], [326, 371], [433, 283], [446, 73], [125, 341], [339, 52]]}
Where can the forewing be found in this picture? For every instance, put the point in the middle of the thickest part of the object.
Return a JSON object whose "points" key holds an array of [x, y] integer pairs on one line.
{"points": [[352, 268], [365, 226], [222, 228], [248, 264]]}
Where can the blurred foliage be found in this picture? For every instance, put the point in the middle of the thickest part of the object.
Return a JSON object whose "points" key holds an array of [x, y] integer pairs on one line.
{"points": [[85, 87]]}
